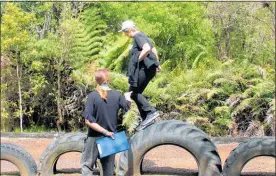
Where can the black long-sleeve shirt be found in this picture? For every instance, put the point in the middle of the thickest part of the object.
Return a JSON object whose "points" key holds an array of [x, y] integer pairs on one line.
{"points": [[104, 112]]}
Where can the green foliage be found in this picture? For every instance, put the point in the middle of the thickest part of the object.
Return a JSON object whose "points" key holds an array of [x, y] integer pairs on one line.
{"points": [[118, 82], [243, 31], [34, 129], [220, 96], [15, 27], [4, 106], [217, 61], [131, 118], [265, 89], [179, 37], [89, 36], [223, 117]]}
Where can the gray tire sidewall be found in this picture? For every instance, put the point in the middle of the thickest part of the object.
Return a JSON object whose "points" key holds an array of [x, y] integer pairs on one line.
{"points": [[245, 152], [153, 138], [20, 158], [61, 145]]}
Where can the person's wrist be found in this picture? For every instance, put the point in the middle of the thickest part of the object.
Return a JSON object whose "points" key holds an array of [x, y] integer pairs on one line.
{"points": [[105, 132]]}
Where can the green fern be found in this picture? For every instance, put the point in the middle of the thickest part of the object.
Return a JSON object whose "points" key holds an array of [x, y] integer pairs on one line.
{"points": [[212, 76], [117, 63], [245, 104], [89, 36], [216, 92], [228, 64], [222, 116], [265, 89], [197, 59], [131, 119], [114, 53], [252, 72], [196, 94], [192, 110], [253, 81], [119, 82]]}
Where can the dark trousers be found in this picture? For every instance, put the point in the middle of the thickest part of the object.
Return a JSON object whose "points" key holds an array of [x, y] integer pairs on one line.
{"points": [[145, 75], [89, 156]]}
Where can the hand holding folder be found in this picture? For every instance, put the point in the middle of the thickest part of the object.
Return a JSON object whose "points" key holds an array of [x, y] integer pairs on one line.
{"points": [[108, 146]]}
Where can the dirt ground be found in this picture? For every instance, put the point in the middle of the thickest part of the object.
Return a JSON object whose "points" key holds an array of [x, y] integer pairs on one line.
{"points": [[163, 160]]}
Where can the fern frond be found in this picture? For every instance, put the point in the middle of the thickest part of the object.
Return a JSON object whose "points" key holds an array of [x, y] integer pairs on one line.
{"points": [[114, 52], [117, 63], [265, 89], [192, 109], [131, 119], [214, 75], [245, 104], [215, 92], [89, 36]]}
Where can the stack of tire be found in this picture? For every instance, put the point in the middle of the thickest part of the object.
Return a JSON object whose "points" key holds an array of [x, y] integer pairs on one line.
{"points": [[172, 132]]}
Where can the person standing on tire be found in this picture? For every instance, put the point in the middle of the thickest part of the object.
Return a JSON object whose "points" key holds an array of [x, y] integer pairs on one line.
{"points": [[144, 64], [101, 114]]}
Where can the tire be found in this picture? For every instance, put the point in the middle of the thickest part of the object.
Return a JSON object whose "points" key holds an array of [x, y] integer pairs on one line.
{"points": [[245, 152], [173, 132], [20, 158], [63, 144]]}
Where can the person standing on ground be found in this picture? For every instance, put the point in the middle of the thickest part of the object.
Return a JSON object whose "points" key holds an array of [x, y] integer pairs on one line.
{"points": [[143, 65], [101, 115]]}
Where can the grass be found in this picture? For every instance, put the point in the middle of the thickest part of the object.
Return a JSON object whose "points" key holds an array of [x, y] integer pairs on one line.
{"points": [[36, 129]]}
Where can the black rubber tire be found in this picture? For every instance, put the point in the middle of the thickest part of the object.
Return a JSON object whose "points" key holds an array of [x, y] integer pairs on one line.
{"points": [[172, 132], [63, 144], [20, 158], [245, 152]]}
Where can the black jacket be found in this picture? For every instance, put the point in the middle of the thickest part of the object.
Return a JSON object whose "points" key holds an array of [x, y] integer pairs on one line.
{"points": [[133, 69], [134, 66]]}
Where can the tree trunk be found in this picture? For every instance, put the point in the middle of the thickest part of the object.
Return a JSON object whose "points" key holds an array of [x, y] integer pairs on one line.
{"points": [[59, 107], [18, 74], [227, 43], [221, 50]]}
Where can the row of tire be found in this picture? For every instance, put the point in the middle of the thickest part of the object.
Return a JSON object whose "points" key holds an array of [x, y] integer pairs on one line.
{"points": [[171, 132]]}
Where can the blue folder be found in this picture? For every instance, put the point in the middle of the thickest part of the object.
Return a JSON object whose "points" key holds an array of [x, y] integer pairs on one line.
{"points": [[108, 146]]}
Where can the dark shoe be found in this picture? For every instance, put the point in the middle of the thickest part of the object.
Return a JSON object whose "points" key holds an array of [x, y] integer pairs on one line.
{"points": [[150, 117], [140, 127]]}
